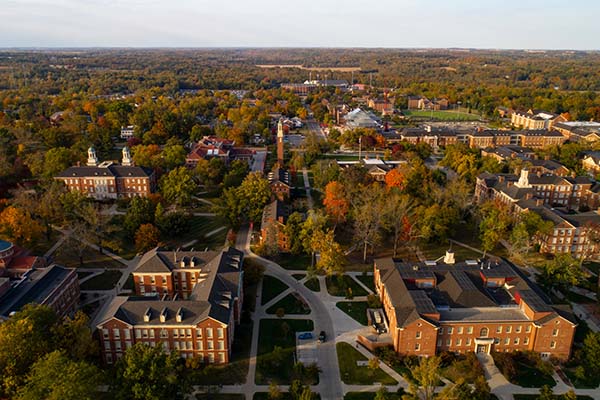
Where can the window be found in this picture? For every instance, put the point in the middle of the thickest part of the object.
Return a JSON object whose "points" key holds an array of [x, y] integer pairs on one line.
{"points": [[417, 346], [188, 333], [528, 329], [182, 333], [138, 333], [220, 333], [496, 340], [221, 357], [458, 342], [516, 341], [116, 333], [450, 330], [152, 333], [118, 346], [105, 333], [198, 333], [468, 343], [526, 340], [499, 329], [109, 358], [483, 332], [199, 345], [518, 329], [210, 345], [220, 345], [460, 330], [470, 330], [418, 335], [508, 329], [448, 342], [211, 358], [553, 344], [209, 333], [555, 332], [127, 334], [106, 345], [506, 341], [439, 342]]}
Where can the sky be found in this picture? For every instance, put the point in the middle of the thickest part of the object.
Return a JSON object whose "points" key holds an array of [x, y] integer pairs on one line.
{"points": [[507, 24]]}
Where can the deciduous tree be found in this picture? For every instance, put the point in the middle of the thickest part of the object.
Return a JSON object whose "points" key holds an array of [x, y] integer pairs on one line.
{"points": [[146, 238]]}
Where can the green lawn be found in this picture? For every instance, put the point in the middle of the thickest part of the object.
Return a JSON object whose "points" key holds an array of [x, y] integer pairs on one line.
{"points": [[105, 281], [528, 376], [66, 255], [356, 309], [370, 396], [368, 281], [281, 333], [289, 261], [236, 371], [352, 374], [290, 305], [200, 226], [338, 286], [442, 115], [313, 284], [271, 287]]}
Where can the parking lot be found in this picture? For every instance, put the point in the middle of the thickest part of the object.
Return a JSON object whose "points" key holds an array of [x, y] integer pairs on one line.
{"points": [[306, 349]]}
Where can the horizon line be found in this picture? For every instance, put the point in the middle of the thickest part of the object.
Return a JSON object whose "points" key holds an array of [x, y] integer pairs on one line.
{"points": [[227, 47]]}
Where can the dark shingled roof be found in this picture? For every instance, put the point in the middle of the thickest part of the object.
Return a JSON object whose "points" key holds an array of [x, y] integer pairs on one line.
{"points": [[213, 297], [113, 170]]}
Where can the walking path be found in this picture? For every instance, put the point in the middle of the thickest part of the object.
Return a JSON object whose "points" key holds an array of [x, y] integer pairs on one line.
{"points": [[309, 198], [58, 243]]}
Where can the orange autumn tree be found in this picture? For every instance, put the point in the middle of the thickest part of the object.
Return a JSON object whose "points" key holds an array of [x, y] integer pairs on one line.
{"points": [[395, 179], [335, 202]]}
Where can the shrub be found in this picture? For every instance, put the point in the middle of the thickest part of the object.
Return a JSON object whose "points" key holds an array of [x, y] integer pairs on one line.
{"points": [[373, 301]]}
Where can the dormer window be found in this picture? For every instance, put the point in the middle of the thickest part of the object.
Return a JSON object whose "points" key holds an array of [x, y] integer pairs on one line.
{"points": [[179, 316], [163, 315], [147, 315]]}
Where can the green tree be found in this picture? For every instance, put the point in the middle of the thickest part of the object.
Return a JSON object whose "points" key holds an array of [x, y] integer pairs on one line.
{"points": [[425, 376], [177, 187], [173, 156], [57, 160], [562, 272], [24, 338], [148, 373], [238, 170], [494, 224], [57, 377], [255, 193], [274, 391], [591, 356], [331, 255], [293, 229], [141, 210], [74, 336], [546, 393]]}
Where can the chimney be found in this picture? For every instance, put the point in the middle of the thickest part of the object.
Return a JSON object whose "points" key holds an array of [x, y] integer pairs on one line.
{"points": [[449, 257]]}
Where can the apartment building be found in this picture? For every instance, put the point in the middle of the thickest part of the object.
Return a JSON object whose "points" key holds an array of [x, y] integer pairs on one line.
{"points": [[200, 325], [535, 119], [470, 306], [109, 180]]}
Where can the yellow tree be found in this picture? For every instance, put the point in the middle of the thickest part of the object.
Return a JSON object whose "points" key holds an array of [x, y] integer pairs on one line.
{"points": [[17, 225]]}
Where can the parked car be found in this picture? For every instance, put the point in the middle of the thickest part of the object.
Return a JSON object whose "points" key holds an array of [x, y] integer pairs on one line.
{"points": [[322, 337], [305, 336]]}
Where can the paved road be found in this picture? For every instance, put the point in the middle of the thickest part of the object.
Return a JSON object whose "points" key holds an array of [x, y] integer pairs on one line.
{"points": [[314, 126], [330, 386]]}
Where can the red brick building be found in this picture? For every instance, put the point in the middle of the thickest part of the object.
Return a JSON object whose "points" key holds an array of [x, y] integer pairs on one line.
{"points": [[279, 179], [54, 286], [107, 180], [470, 306], [199, 325], [272, 228]]}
